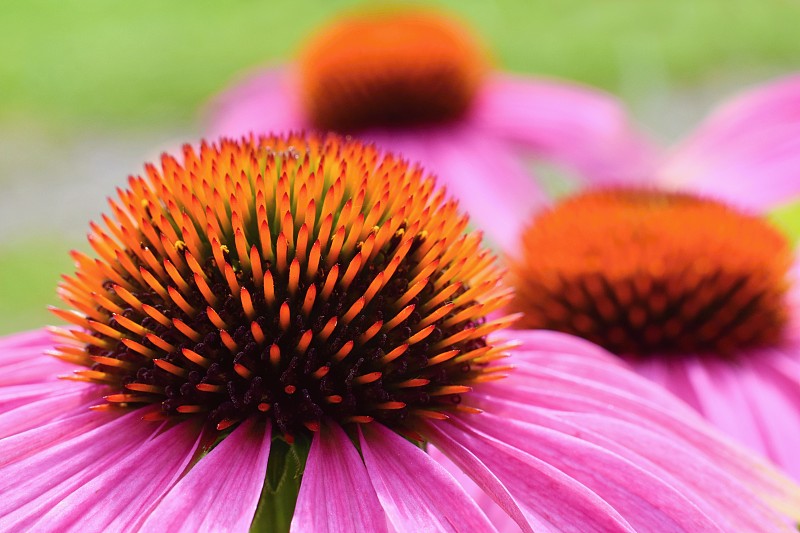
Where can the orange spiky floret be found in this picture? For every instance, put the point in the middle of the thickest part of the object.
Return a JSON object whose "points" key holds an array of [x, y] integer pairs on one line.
{"points": [[286, 277], [643, 271], [390, 69]]}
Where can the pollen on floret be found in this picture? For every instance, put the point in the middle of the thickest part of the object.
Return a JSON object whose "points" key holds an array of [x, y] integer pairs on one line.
{"points": [[645, 272], [293, 278], [386, 69]]}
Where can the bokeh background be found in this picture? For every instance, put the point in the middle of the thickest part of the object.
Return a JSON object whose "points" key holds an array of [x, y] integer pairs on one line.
{"points": [[90, 89]]}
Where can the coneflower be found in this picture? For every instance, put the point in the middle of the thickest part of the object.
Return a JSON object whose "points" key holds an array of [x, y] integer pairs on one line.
{"points": [[686, 278], [271, 333], [419, 82]]}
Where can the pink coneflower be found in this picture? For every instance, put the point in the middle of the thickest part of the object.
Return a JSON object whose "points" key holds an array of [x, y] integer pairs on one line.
{"points": [[273, 332], [687, 280], [419, 83]]}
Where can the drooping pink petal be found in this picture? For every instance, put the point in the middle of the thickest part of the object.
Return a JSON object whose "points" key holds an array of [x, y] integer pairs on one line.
{"points": [[221, 492], [264, 102], [417, 494], [776, 399], [536, 495], [566, 123], [754, 400], [723, 401], [694, 475], [658, 411], [336, 493], [31, 484], [484, 174], [644, 499], [129, 486], [747, 152]]}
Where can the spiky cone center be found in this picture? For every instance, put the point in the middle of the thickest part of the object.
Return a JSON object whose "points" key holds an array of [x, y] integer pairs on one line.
{"points": [[387, 69], [645, 272], [291, 278]]}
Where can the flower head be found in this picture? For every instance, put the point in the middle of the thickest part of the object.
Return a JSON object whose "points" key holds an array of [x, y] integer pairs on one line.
{"points": [[418, 82], [684, 276], [643, 272], [285, 276], [296, 333], [397, 69]]}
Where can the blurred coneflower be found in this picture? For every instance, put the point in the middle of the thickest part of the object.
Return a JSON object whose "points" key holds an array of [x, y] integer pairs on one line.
{"points": [[272, 333], [687, 279], [419, 82]]}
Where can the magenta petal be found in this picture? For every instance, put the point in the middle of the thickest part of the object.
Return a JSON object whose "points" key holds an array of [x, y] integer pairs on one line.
{"points": [[23, 359], [39, 411], [777, 400], [747, 152], [265, 102], [26, 443], [566, 123], [645, 500], [695, 475], [336, 494], [221, 492], [756, 401], [537, 496], [484, 174], [656, 410], [129, 487], [416, 492], [33, 483]]}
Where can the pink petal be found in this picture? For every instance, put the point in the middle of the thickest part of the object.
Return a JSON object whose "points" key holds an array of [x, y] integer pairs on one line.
{"points": [[416, 492], [26, 443], [221, 492], [536, 495], [499, 517], [488, 179], [35, 482], [483, 173], [656, 410], [645, 500], [776, 399], [33, 339], [544, 343], [723, 401], [14, 396], [336, 494], [748, 151], [570, 124], [754, 400], [693, 474], [23, 359], [263, 102], [129, 486], [53, 406]]}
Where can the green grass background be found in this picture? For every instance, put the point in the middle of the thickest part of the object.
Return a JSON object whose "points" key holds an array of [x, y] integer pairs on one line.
{"points": [[68, 66]]}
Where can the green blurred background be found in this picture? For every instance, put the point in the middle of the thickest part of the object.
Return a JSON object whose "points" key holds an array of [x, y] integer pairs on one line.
{"points": [[89, 89]]}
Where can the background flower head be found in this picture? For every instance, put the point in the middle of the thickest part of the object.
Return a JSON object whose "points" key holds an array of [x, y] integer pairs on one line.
{"points": [[693, 286], [418, 82]]}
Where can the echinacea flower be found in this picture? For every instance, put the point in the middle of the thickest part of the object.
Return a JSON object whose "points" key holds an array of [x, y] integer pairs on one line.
{"points": [[686, 278], [273, 332], [418, 82]]}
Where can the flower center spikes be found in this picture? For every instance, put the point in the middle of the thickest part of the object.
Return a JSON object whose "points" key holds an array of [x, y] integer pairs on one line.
{"points": [[643, 272], [390, 69], [294, 278]]}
